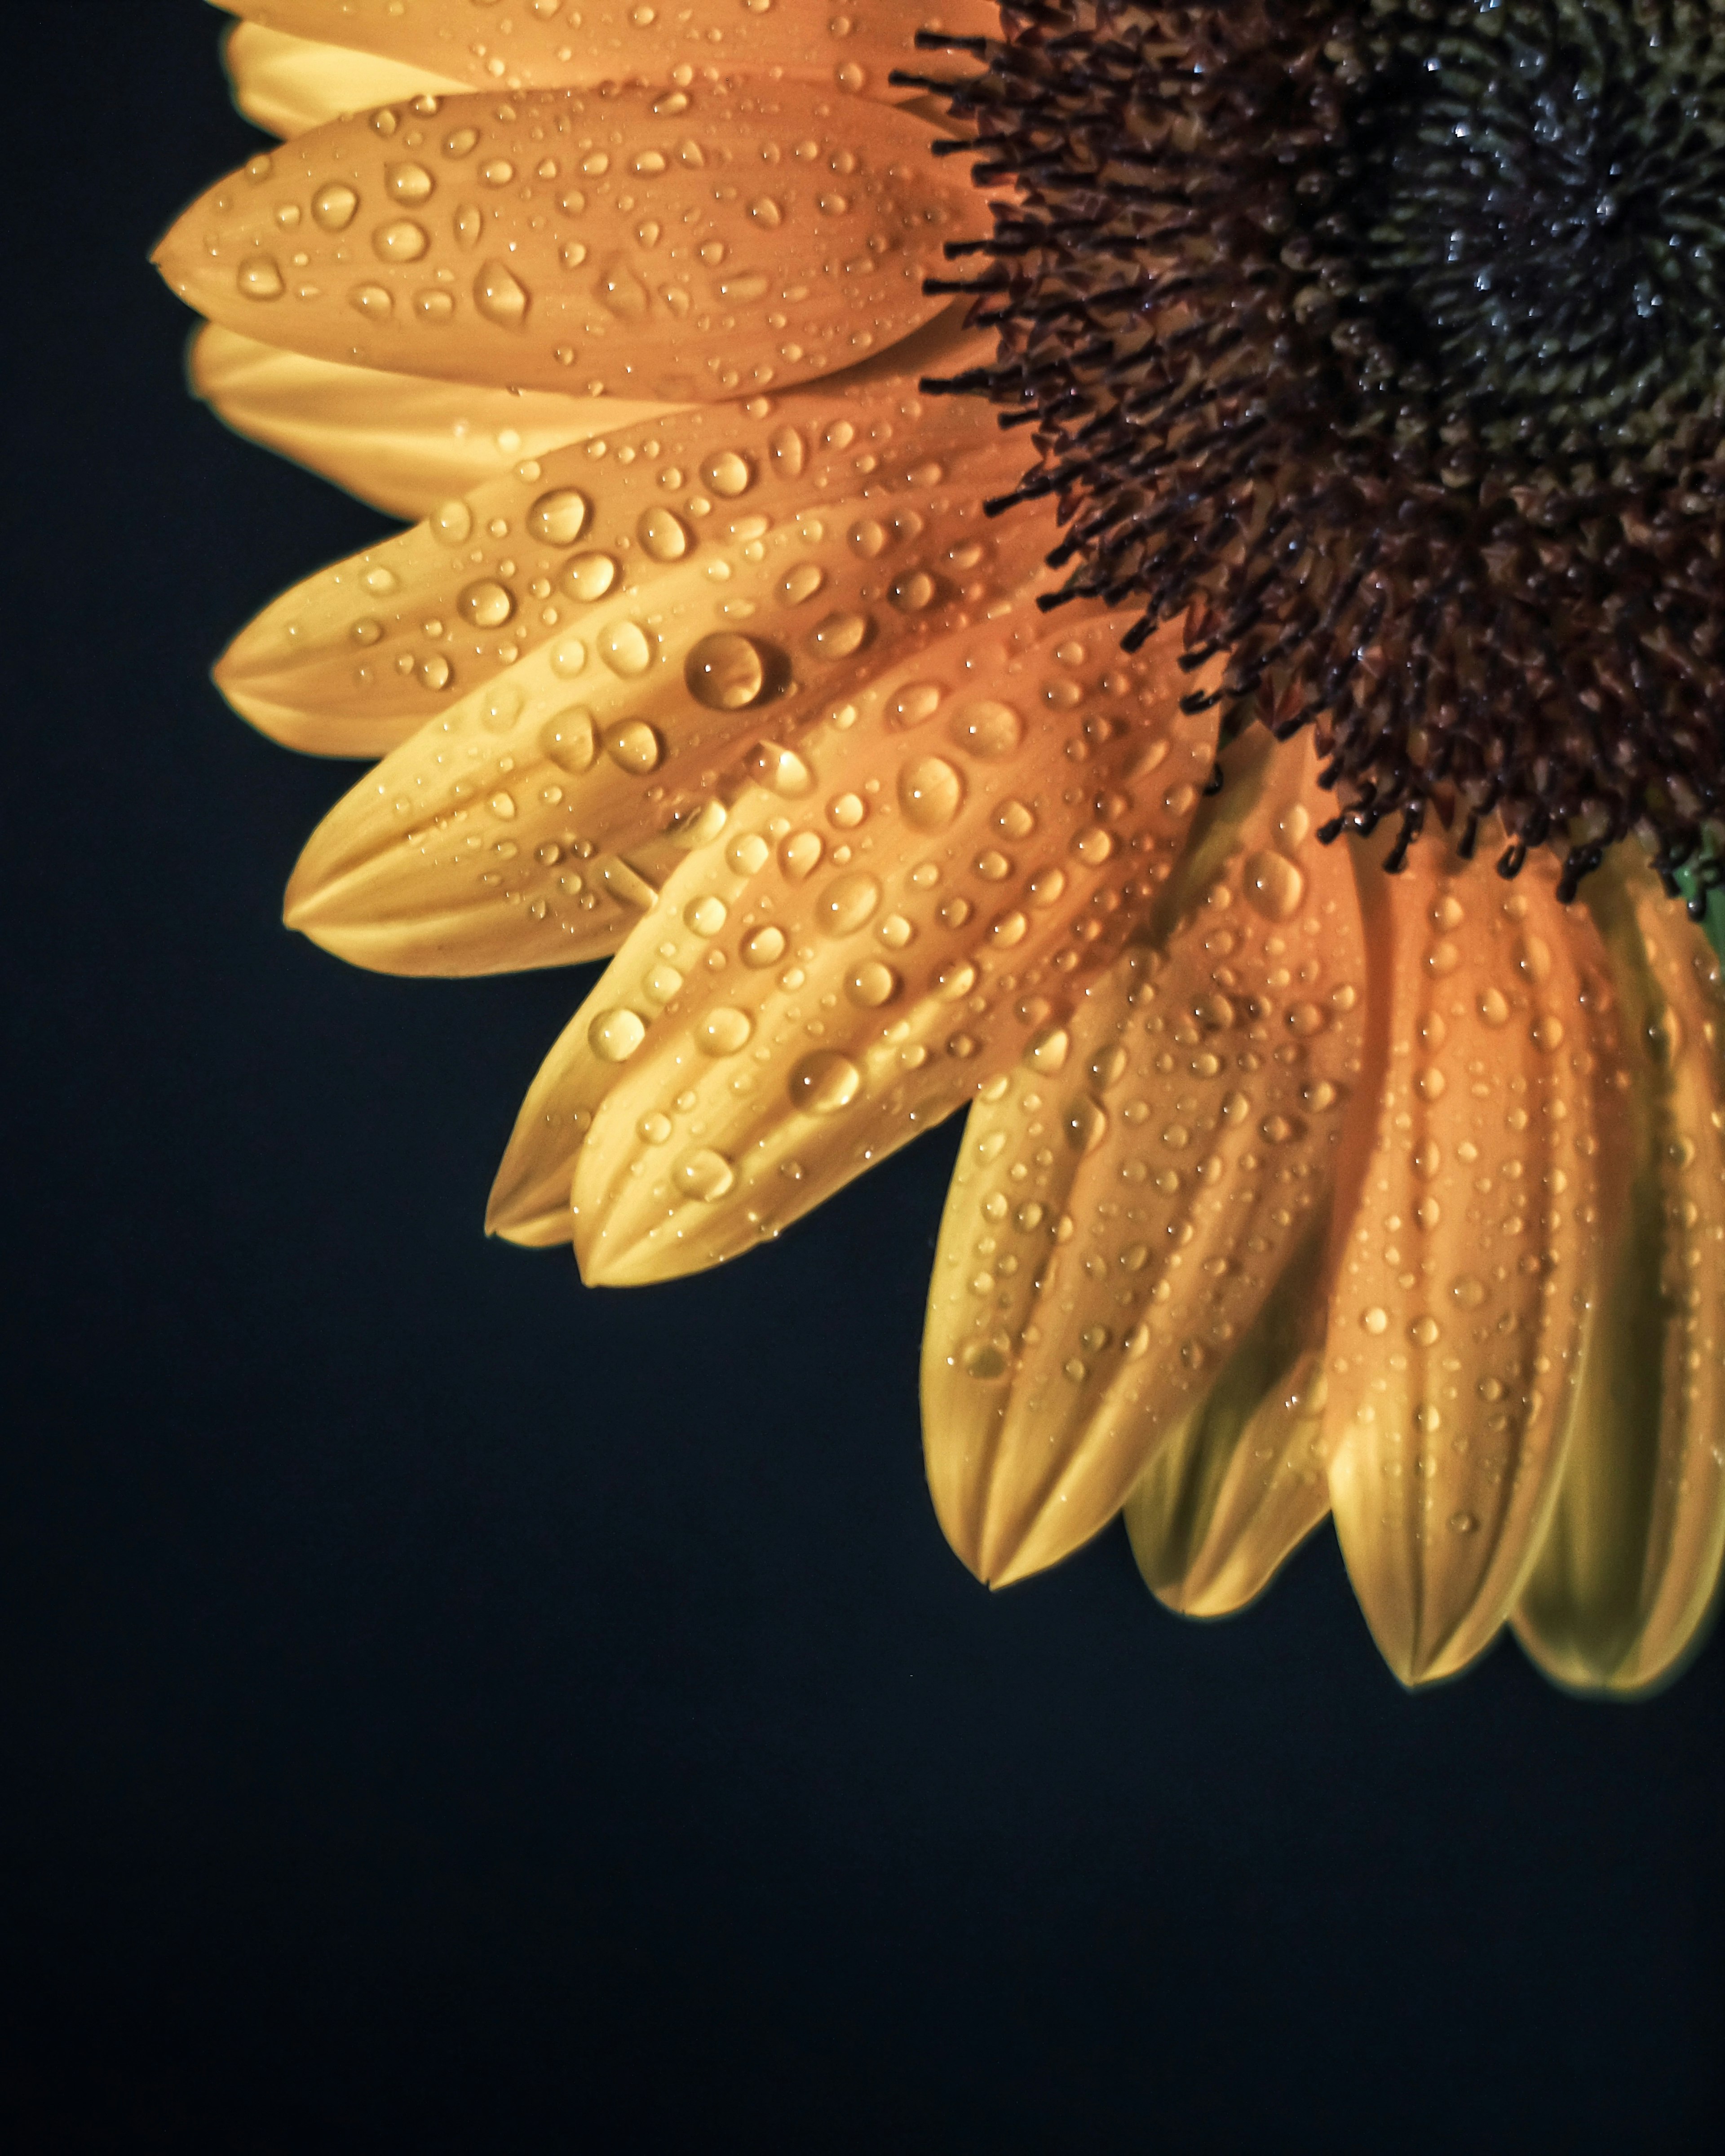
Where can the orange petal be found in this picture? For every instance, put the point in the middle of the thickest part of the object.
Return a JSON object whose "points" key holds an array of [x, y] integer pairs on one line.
{"points": [[879, 927], [1241, 1482], [578, 241], [402, 441], [289, 85], [1121, 1210], [1630, 1563], [1469, 1269], [643, 701], [537, 43]]}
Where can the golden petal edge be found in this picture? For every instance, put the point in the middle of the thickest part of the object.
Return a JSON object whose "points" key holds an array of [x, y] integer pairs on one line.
{"points": [[288, 85]]}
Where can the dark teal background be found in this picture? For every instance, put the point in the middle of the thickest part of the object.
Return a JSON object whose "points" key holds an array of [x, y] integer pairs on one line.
{"points": [[440, 1708]]}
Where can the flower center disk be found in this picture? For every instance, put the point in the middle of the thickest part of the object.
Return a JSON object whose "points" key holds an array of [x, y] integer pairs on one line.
{"points": [[1384, 345]]}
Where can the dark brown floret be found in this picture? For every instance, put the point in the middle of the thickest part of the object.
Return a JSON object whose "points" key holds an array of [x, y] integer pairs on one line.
{"points": [[1386, 345]]}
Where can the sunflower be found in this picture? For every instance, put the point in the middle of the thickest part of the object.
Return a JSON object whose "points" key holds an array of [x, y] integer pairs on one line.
{"points": [[1150, 572]]}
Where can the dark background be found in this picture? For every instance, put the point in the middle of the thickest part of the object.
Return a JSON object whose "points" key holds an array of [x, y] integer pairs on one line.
{"points": [[442, 1707]]}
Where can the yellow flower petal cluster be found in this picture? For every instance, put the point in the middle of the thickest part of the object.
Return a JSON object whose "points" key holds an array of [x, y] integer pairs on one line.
{"points": [[1288, 1187]]}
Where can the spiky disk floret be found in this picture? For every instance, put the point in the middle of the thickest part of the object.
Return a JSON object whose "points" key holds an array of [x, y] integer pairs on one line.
{"points": [[1385, 343]]}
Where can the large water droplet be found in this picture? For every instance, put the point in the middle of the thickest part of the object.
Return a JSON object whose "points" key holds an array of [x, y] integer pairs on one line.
{"points": [[499, 297], [409, 182], [930, 792], [568, 740], [727, 473], [705, 1174], [825, 1082], [847, 902], [725, 672], [589, 577], [334, 207], [1274, 886], [802, 582], [615, 1035], [664, 537], [870, 984], [987, 729], [1085, 1124], [401, 240], [723, 1031], [621, 292], [260, 278], [558, 517], [452, 523], [625, 650], [632, 745], [781, 768], [840, 634], [487, 604]]}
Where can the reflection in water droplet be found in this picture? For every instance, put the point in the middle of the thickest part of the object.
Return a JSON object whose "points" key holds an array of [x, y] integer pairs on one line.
{"points": [[588, 576], [1493, 1007], [1093, 846], [376, 302], [1085, 1124], [825, 1082], [499, 297], [333, 206], [781, 768], [705, 1174], [487, 604], [400, 241], [625, 650], [725, 672], [723, 1031], [930, 792], [786, 447], [847, 902], [915, 593], [799, 856], [568, 740], [839, 634], [615, 1035], [727, 474], [802, 582], [632, 745], [434, 307], [260, 278], [409, 182], [452, 523], [987, 729], [765, 947], [870, 984], [664, 537], [706, 916], [621, 292], [1274, 886], [558, 517]]}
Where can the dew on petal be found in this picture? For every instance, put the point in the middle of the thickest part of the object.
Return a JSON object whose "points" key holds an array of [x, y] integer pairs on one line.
{"points": [[633, 745], [558, 517], [930, 792], [334, 207], [725, 672], [705, 1174], [588, 576], [499, 296], [625, 650], [989, 729], [664, 537], [825, 1082], [615, 1035], [727, 474], [847, 903]]}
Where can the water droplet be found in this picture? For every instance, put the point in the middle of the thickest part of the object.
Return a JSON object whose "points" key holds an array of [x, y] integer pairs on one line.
{"points": [[767, 213], [568, 658], [615, 1035], [1463, 1523], [1376, 1320], [916, 702], [986, 1360], [621, 292], [1424, 1331], [840, 634], [459, 141], [589, 577], [654, 1128], [707, 916], [1049, 1050], [930, 792], [664, 537], [625, 650], [747, 853], [409, 182], [334, 207], [487, 604], [799, 856], [987, 729], [802, 582], [727, 474], [825, 1082], [870, 984], [786, 449], [568, 740], [1446, 912], [376, 302], [1094, 845], [260, 278], [765, 947], [500, 707], [914, 593], [499, 297], [1493, 1007], [847, 902], [725, 1030], [705, 1174], [632, 745], [401, 240], [558, 517], [452, 523], [434, 306], [867, 538], [1274, 886], [845, 811], [725, 672], [1306, 1020], [1085, 1124], [780, 769], [1469, 1292], [503, 805]]}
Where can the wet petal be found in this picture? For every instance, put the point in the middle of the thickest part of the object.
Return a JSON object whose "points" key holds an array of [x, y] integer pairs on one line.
{"points": [[576, 241], [1121, 1213], [1630, 1561], [402, 441], [680, 627], [289, 85], [1485, 1181], [880, 927], [1241, 1482], [537, 43]]}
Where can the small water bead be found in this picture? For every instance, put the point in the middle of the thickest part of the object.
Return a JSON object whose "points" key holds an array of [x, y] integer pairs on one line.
{"points": [[1093, 846], [725, 672], [765, 947], [746, 854], [1446, 911], [663, 983], [654, 1128], [633, 745], [825, 1082], [615, 1035], [987, 729], [1375, 1320], [452, 523], [1424, 1331], [401, 240], [992, 866], [1493, 1007], [470, 225], [915, 593], [913, 704], [588, 576], [801, 581], [705, 1174], [500, 296], [434, 307], [846, 811], [664, 537], [558, 517], [839, 634], [625, 650], [847, 903], [376, 302], [260, 278], [724, 1031], [503, 805], [870, 984], [334, 207], [1014, 820], [1046, 886], [1274, 887], [1468, 1291], [409, 182], [1442, 960], [895, 931], [799, 855], [707, 916], [930, 793], [1462, 1523], [460, 141], [868, 538], [499, 708], [487, 604], [727, 474], [568, 658]]}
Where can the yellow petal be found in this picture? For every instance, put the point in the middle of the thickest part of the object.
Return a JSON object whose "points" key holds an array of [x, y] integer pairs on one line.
{"points": [[289, 85], [646, 697], [880, 926], [1241, 1482], [401, 441], [1630, 1563], [536, 43], [582, 241], [1121, 1213], [1475, 1252]]}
